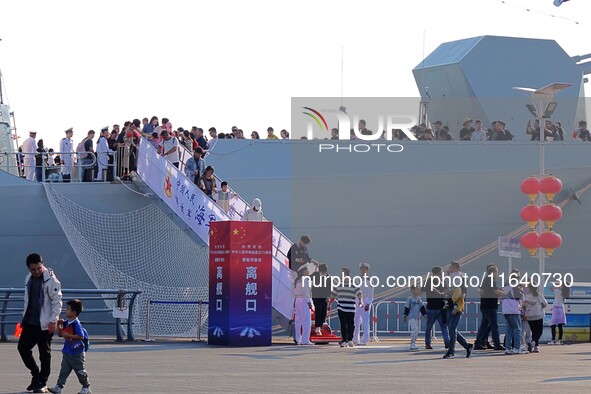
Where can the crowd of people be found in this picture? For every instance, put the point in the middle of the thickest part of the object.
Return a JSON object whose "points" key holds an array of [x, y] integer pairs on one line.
{"points": [[523, 307], [97, 157], [553, 131], [119, 145]]}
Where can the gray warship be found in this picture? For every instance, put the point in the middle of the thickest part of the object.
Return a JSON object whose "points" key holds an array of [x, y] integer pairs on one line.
{"points": [[433, 203]]}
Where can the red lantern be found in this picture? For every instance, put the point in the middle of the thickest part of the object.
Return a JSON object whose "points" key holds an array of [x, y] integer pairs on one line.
{"points": [[531, 242], [550, 240], [550, 213], [531, 187], [550, 186], [530, 214]]}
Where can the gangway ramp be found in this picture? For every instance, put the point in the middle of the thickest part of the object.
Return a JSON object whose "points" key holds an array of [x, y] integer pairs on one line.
{"points": [[197, 211]]}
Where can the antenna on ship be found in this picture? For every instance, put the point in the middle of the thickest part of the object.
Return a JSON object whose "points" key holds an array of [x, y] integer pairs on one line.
{"points": [[1, 97], [425, 98], [341, 108], [423, 108]]}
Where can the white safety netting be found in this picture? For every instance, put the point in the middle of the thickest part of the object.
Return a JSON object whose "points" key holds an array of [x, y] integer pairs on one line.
{"points": [[139, 250]]}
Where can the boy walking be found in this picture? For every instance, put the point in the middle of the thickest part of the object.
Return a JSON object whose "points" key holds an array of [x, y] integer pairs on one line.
{"points": [[413, 310], [222, 197], [73, 352]]}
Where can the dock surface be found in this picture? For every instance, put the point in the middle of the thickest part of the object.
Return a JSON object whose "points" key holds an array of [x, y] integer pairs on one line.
{"points": [[385, 366]]}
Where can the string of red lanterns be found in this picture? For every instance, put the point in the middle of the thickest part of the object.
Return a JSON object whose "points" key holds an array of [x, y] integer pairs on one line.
{"points": [[549, 213]]}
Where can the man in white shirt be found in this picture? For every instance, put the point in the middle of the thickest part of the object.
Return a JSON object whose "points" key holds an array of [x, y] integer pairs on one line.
{"points": [[214, 138], [479, 134], [29, 150], [363, 310], [168, 148], [66, 155]]}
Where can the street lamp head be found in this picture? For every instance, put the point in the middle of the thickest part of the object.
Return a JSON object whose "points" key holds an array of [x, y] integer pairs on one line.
{"points": [[550, 108]]}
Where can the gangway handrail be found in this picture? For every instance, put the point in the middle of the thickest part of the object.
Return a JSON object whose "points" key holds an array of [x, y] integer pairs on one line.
{"points": [[184, 152], [280, 290], [5, 311]]}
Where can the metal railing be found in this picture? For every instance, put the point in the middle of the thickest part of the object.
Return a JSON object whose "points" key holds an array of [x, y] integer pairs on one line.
{"points": [[120, 296], [46, 170], [199, 304], [392, 318], [281, 243]]}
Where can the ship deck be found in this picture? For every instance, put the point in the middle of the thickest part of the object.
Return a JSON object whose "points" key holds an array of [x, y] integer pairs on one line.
{"points": [[179, 367]]}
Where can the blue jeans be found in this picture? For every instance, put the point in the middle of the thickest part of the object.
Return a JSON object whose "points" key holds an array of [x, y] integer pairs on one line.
{"points": [[452, 325], [39, 174], [488, 324], [436, 315], [513, 331]]}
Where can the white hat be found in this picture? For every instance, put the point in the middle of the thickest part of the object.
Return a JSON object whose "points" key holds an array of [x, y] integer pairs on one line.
{"points": [[303, 267], [364, 265], [256, 203]]}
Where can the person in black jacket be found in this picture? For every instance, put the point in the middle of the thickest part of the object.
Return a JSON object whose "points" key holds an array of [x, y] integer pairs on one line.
{"points": [[489, 304], [298, 253], [435, 304]]}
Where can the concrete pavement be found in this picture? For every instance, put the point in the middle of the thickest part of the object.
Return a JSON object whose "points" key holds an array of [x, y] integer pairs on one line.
{"points": [[182, 366]]}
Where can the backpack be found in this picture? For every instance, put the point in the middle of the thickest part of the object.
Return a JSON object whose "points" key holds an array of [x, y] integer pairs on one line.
{"points": [[459, 299], [85, 340], [80, 149]]}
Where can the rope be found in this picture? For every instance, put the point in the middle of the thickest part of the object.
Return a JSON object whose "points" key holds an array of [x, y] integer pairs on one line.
{"points": [[546, 14], [118, 179]]}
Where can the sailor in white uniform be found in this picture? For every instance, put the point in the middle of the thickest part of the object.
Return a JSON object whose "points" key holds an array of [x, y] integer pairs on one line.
{"points": [[102, 154], [363, 310], [29, 150], [303, 306], [66, 155]]}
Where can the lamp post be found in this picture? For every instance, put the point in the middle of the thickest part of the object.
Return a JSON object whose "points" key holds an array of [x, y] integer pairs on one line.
{"points": [[543, 107]]}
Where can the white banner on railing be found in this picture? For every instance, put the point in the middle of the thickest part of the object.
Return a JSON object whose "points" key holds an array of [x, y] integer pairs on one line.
{"points": [[283, 279], [177, 191]]}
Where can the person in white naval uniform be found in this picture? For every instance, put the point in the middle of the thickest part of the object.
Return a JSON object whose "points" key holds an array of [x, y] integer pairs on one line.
{"points": [[66, 155], [363, 310], [29, 150], [303, 306], [102, 154]]}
